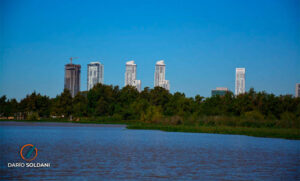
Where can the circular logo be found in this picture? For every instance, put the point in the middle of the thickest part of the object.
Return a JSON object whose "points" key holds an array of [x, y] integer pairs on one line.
{"points": [[28, 152]]}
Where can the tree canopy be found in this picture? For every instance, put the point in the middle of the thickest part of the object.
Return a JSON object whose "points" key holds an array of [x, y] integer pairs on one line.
{"points": [[157, 104]]}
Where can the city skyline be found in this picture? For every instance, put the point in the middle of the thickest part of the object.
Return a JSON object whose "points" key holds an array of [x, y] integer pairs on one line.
{"points": [[96, 73], [202, 42], [72, 79]]}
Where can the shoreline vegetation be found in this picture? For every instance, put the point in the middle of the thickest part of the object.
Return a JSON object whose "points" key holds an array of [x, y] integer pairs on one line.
{"points": [[285, 133], [254, 113]]}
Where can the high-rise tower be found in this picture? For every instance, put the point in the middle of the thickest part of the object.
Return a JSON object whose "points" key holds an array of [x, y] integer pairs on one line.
{"points": [[72, 78], [297, 90], [94, 74], [160, 74], [239, 81], [130, 75]]}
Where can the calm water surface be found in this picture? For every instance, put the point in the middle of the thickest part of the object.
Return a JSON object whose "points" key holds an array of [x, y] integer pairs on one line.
{"points": [[112, 152]]}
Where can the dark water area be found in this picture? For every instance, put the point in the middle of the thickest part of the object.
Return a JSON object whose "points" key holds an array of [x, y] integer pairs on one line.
{"points": [[112, 152]]}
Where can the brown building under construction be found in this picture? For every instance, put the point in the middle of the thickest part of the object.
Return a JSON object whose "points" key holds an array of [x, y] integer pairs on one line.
{"points": [[72, 78]]}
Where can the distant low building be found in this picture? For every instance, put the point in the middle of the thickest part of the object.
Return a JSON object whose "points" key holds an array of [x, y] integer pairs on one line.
{"points": [[221, 91], [297, 93]]}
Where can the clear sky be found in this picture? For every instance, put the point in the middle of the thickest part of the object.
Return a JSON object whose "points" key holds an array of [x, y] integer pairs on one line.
{"points": [[202, 42]]}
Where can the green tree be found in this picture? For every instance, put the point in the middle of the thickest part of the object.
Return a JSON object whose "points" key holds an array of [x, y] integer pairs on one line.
{"points": [[80, 105], [3, 106], [35, 102], [63, 104]]}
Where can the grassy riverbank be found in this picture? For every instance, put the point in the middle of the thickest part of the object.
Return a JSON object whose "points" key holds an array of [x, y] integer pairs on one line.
{"points": [[286, 133]]}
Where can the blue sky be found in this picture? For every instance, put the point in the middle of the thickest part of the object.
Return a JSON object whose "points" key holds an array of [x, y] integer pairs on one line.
{"points": [[202, 42]]}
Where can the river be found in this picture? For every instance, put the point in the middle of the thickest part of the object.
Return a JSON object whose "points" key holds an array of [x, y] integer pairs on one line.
{"points": [[112, 152]]}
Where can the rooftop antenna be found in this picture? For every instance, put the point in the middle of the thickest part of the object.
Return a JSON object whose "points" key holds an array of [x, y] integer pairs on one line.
{"points": [[71, 58]]}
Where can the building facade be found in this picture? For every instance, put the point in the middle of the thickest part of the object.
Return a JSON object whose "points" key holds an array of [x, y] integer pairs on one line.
{"points": [[240, 81], [72, 78], [297, 93], [95, 74], [221, 91], [160, 75], [130, 75]]}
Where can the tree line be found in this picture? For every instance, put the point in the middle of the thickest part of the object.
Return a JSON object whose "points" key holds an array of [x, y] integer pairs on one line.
{"points": [[158, 105]]}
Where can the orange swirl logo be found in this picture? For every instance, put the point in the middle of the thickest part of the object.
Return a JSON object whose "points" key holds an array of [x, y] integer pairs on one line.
{"points": [[28, 152]]}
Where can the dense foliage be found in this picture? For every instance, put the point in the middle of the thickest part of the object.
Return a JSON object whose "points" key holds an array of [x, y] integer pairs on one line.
{"points": [[252, 109]]}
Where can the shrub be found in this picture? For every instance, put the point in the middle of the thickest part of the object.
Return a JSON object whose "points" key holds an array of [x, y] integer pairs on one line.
{"points": [[253, 116], [288, 120], [174, 120], [152, 115], [33, 116]]}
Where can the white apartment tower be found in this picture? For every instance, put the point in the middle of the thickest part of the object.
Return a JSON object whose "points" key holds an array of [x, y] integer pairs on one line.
{"points": [[94, 74], [239, 81], [130, 75], [160, 74]]}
